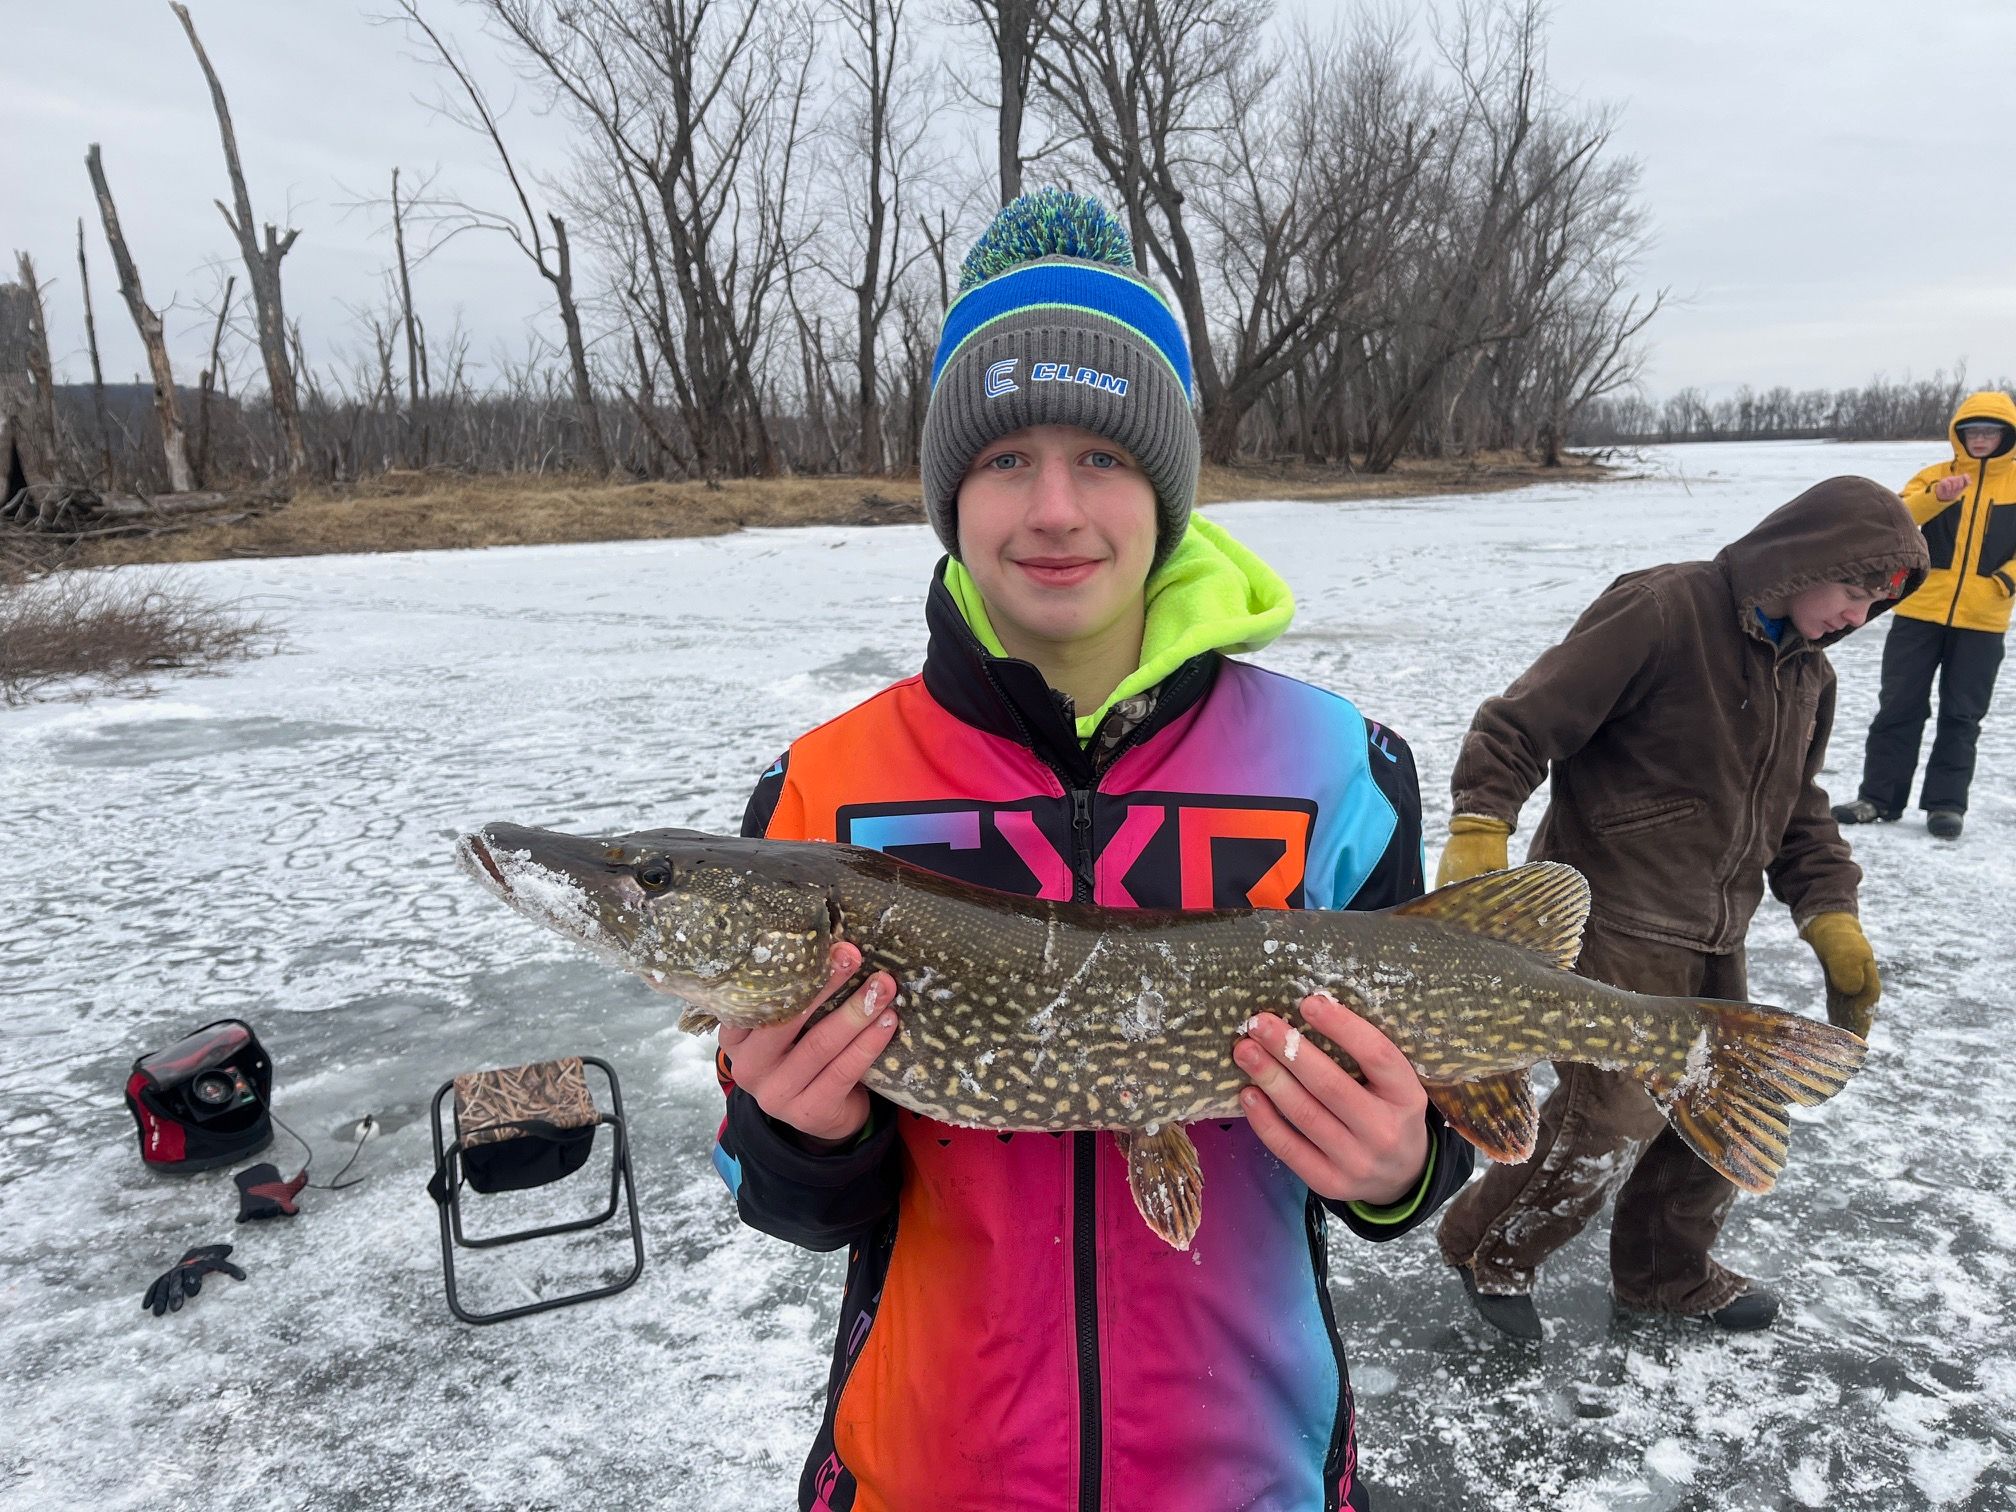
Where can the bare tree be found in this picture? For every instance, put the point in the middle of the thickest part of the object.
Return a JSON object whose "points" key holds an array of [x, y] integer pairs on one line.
{"points": [[23, 458], [41, 373], [556, 265], [697, 110], [877, 173], [1485, 257], [1014, 29], [1142, 85], [147, 321], [207, 383], [1568, 285], [262, 265], [97, 371], [1306, 205], [410, 323], [1372, 250]]}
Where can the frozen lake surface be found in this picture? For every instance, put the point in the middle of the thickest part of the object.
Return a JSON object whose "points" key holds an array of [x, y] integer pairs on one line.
{"points": [[274, 843]]}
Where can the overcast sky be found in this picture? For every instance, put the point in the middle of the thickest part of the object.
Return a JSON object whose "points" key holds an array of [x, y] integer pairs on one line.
{"points": [[1806, 164]]}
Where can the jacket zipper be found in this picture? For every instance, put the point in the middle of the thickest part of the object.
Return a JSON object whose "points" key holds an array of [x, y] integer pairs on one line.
{"points": [[1085, 1288], [1334, 1462], [1960, 572], [1085, 1165], [1085, 1143], [1085, 1213], [1083, 862]]}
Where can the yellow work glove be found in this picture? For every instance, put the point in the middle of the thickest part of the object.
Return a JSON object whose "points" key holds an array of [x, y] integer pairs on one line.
{"points": [[1476, 845], [1852, 983]]}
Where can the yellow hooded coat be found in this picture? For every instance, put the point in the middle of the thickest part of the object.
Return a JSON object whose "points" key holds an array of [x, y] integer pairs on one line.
{"points": [[1973, 538]]}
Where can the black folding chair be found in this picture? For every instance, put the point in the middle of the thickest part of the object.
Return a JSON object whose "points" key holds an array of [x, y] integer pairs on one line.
{"points": [[518, 1128]]}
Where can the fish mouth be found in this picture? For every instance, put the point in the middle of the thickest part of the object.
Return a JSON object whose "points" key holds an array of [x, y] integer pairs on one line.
{"points": [[550, 878], [477, 862]]}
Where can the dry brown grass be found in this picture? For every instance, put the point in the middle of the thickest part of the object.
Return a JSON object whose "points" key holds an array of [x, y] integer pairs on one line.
{"points": [[113, 628], [432, 511]]}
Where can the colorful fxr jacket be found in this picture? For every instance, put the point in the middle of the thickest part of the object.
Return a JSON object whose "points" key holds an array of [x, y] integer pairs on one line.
{"points": [[1013, 1338]]}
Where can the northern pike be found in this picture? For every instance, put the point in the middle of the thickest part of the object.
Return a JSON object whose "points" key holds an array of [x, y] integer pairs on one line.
{"points": [[1022, 1014]]}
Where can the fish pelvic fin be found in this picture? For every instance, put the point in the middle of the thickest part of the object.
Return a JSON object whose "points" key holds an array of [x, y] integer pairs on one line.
{"points": [[1540, 907], [1753, 1062], [695, 1021], [1495, 1113], [1166, 1180]]}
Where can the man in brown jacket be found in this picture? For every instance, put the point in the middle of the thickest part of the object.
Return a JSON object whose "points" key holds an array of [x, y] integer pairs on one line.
{"points": [[1684, 720]]}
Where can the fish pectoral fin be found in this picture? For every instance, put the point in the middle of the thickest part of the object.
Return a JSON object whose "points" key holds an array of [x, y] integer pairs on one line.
{"points": [[1167, 1182], [1540, 907], [1730, 1106], [693, 1021], [1495, 1113]]}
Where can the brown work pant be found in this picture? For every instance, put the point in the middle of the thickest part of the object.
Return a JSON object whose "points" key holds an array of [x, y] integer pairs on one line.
{"points": [[1601, 1132]]}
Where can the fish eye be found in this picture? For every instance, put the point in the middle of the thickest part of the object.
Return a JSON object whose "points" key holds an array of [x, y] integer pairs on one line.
{"points": [[653, 876]]}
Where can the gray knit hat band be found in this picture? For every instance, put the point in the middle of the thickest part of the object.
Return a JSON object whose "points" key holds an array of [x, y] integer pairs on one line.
{"points": [[1052, 366]]}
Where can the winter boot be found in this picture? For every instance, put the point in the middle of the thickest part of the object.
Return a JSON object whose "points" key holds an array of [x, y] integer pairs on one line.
{"points": [[1861, 811], [1511, 1314], [1945, 823], [1756, 1308]]}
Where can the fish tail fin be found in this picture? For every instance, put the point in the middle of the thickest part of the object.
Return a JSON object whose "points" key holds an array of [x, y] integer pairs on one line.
{"points": [[1729, 1102]]}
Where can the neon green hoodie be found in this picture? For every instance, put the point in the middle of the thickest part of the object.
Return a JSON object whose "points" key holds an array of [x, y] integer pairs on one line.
{"points": [[1213, 594]]}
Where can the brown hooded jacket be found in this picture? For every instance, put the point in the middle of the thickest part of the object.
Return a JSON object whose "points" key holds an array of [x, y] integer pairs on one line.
{"points": [[1684, 743]]}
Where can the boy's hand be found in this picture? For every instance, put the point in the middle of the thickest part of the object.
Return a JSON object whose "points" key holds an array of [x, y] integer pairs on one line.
{"points": [[813, 1083], [1949, 488], [1350, 1140]]}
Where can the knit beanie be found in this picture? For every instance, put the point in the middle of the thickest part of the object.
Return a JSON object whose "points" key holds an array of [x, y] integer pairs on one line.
{"points": [[1052, 326]]}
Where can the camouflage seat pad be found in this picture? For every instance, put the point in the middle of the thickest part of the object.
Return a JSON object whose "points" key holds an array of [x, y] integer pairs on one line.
{"points": [[496, 1105]]}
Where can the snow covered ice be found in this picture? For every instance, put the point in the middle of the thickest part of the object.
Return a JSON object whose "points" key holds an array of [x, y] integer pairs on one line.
{"points": [[276, 842]]}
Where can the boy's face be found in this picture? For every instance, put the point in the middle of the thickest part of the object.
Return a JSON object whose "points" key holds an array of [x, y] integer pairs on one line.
{"points": [[1980, 440], [1057, 528], [1826, 607]]}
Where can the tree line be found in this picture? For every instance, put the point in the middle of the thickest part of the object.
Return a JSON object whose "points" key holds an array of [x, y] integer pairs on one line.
{"points": [[1380, 243], [1883, 409]]}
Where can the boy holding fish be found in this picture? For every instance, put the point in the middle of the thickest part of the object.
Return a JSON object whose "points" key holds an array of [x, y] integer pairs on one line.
{"points": [[1684, 721], [1011, 1333]]}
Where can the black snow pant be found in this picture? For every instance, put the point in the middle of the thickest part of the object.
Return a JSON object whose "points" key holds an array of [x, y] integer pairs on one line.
{"points": [[1965, 663]]}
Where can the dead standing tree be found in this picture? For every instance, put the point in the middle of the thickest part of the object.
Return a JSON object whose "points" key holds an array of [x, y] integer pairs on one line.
{"points": [[41, 373], [174, 446], [97, 369], [262, 267], [26, 448], [556, 266], [416, 354], [207, 382]]}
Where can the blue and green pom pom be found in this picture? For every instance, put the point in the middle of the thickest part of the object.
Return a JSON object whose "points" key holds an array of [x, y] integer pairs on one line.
{"points": [[1047, 223]]}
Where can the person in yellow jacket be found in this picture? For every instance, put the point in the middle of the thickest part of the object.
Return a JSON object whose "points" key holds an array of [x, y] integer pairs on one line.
{"points": [[1951, 629]]}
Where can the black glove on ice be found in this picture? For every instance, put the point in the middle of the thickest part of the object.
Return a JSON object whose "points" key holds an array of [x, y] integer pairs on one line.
{"points": [[262, 1194], [185, 1278]]}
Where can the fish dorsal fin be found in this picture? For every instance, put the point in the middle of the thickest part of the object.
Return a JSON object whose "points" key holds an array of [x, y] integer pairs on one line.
{"points": [[1541, 907], [1495, 1113]]}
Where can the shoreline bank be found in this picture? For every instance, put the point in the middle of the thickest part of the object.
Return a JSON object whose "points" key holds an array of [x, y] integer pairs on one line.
{"points": [[433, 511]]}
